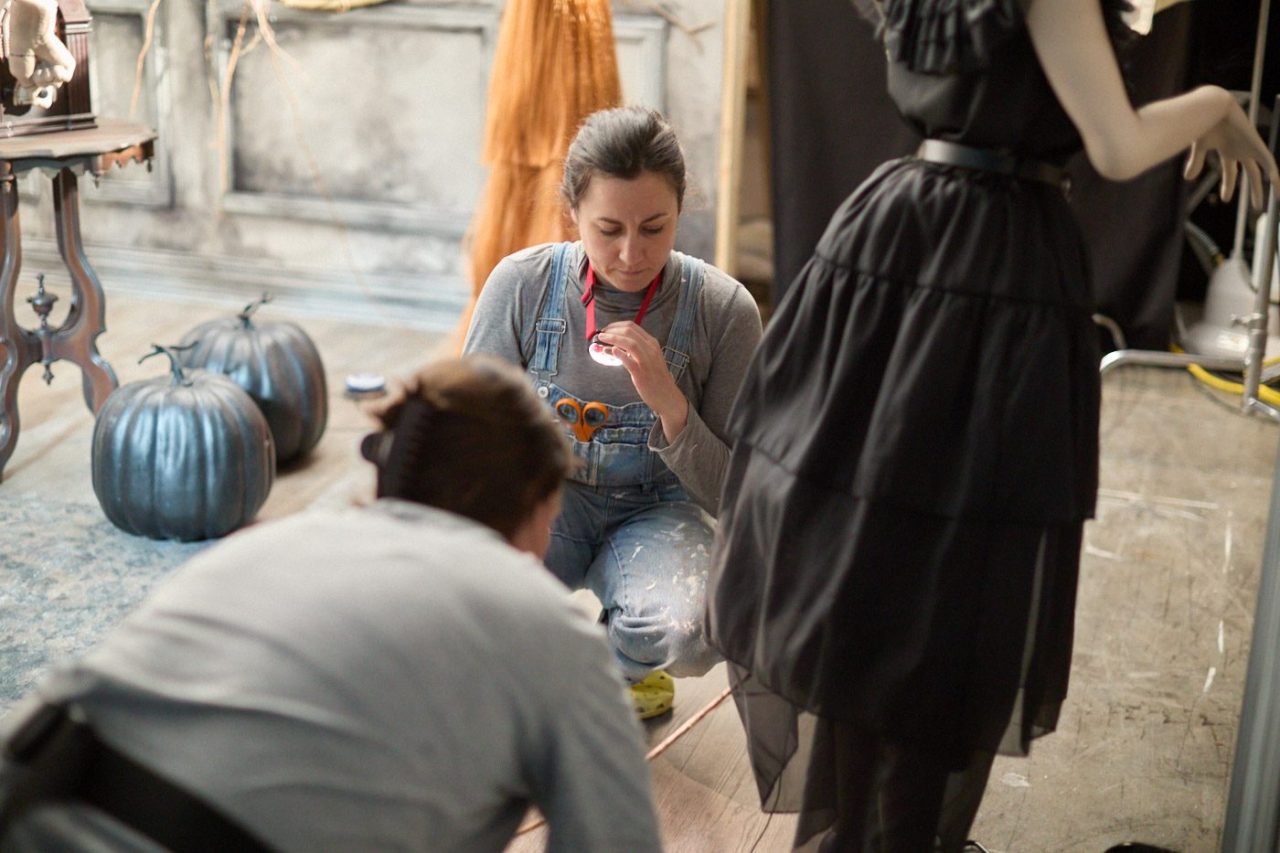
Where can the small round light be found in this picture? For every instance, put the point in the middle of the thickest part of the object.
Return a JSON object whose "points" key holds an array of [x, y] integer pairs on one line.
{"points": [[602, 354]]}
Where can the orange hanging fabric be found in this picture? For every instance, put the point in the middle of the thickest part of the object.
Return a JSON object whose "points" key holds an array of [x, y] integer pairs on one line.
{"points": [[555, 64]]}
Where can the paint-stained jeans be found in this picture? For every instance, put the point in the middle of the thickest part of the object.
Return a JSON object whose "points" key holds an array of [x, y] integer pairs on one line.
{"points": [[644, 552]]}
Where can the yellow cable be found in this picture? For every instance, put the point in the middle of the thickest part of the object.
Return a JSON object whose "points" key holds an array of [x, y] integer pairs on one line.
{"points": [[1265, 393]]}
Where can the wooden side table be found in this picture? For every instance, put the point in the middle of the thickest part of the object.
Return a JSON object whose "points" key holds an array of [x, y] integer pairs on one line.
{"points": [[66, 154]]}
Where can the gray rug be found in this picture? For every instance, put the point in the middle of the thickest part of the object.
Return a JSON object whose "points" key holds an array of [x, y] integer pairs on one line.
{"points": [[67, 575]]}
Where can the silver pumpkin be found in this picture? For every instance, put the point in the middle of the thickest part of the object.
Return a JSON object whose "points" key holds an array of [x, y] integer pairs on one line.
{"points": [[186, 456], [277, 364]]}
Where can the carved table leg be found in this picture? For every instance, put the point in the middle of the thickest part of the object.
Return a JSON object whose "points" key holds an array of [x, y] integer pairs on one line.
{"points": [[18, 348], [76, 339]]}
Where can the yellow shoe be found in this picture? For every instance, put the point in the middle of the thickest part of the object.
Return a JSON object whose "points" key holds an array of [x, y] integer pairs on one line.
{"points": [[654, 695]]}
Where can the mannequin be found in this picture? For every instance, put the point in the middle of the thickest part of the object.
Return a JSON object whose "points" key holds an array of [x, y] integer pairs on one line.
{"points": [[38, 59], [1071, 43], [915, 440], [1140, 16]]}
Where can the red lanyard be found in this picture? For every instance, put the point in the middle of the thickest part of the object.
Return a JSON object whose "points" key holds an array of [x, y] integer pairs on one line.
{"points": [[589, 300]]}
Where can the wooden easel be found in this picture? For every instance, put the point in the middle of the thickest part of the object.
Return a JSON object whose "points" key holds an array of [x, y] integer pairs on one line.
{"points": [[739, 15]]}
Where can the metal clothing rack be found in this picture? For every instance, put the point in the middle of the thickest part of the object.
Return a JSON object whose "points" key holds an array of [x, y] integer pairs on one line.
{"points": [[1255, 323], [1252, 821]]}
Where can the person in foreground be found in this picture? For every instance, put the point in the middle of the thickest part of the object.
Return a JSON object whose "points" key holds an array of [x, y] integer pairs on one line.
{"points": [[401, 676], [916, 440], [639, 350]]}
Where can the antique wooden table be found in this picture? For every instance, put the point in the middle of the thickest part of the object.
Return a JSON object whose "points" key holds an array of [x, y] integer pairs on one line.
{"points": [[65, 155]]}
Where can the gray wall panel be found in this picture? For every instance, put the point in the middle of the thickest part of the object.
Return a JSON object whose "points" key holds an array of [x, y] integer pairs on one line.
{"points": [[354, 201]]}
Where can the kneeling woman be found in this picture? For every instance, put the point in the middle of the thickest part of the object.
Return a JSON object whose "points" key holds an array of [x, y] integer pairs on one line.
{"points": [[640, 350]]}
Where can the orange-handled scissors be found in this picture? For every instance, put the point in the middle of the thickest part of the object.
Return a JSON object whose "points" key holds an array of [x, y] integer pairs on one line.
{"points": [[585, 419]]}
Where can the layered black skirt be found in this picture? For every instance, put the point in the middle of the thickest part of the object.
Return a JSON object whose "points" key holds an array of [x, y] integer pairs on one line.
{"points": [[915, 452]]}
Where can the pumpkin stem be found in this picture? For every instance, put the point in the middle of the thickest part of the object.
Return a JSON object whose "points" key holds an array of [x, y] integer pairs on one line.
{"points": [[250, 308], [175, 363]]}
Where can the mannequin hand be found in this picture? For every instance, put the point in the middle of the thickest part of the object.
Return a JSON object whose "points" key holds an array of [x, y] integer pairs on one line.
{"points": [[36, 56], [41, 96], [642, 356], [1238, 145]]}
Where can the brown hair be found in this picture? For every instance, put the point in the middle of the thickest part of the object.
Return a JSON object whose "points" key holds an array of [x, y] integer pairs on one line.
{"points": [[470, 436], [622, 143]]}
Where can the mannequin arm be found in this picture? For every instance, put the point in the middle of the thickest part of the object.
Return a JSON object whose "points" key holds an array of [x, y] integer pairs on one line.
{"points": [[1071, 42], [37, 58]]}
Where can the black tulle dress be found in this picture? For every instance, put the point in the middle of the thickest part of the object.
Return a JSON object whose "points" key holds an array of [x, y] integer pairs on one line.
{"points": [[916, 440]]}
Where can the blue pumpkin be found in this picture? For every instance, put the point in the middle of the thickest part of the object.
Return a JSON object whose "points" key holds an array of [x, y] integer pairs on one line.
{"points": [[186, 456], [277, 364]]}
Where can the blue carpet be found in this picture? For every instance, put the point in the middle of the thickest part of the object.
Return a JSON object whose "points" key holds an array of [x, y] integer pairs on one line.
{"points": [[67, 575]]}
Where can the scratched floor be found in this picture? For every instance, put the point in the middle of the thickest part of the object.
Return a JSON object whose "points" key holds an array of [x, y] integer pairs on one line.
{"points": [[1166, 604], [1163, 626]]}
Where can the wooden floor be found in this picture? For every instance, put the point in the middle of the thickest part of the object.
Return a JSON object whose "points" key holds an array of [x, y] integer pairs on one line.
{"points": [[53, 448], [1144, 749]]}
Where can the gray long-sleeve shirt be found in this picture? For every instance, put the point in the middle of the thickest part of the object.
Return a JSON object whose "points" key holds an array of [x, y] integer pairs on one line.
{"points": [[725, 335], [391, 678]]}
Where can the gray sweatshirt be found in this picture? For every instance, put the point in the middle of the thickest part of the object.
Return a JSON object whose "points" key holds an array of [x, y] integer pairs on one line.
{"points": [[395, 678], [726, 333]]}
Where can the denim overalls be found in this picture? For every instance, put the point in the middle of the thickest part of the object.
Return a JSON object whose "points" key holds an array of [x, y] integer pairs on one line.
{"points": [[628, 531]]}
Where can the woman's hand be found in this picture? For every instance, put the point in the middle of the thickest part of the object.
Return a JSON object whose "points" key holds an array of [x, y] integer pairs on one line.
{"points": [[1238, 145], [641, 355]]}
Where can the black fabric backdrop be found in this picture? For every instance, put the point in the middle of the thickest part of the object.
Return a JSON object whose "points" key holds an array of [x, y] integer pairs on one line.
{"points": [[831, 119], [1134, 230], [833, 123]]}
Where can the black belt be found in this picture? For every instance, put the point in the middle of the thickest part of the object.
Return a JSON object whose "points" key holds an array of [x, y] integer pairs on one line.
{"points": [[991, 160], [55, 757]]}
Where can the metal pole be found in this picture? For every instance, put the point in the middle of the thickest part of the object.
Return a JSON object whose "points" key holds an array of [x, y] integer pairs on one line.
{"points": [[1256, 352], [1255, 96], [1253, 803], [1257, 321], [1160, 358]]}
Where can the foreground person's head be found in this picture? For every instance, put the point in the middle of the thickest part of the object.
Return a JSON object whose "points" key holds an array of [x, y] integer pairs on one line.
{"points": [[469, 436]]}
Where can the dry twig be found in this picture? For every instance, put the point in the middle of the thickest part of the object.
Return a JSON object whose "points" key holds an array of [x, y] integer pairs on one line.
{"points": [[663, 11], [148, 36]]}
